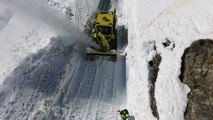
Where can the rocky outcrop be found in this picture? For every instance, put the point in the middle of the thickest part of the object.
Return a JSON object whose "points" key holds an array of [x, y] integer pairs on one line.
{"points": [[197, 73]]}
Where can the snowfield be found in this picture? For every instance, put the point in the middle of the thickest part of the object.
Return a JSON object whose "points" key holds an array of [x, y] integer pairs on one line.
{"points": [[44, 74], [152, 22]]}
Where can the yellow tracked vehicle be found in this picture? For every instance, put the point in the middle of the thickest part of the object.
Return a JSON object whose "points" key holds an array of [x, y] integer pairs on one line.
{"points": [[104, 35]]}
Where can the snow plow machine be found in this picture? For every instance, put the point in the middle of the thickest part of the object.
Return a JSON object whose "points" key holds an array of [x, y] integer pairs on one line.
{"points": [[104, 34]]}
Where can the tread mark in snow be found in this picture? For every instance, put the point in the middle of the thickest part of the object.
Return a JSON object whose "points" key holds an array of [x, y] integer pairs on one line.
{"points": [[106, 95], [81, 100]]}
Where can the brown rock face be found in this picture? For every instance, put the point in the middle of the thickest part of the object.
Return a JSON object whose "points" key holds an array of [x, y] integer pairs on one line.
{"points": [[197, 73]]}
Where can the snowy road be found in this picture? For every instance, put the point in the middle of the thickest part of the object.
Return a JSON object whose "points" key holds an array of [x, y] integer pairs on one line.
{"points": [[104, 5], [94, 90]]}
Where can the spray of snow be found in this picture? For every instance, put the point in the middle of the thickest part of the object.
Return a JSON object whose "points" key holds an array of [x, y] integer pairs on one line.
{"points": [[5, 16], [40, 11], [29, 29]]}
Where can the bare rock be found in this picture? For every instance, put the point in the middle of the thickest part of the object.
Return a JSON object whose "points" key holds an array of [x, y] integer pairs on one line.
{"points": [[197, 73]]}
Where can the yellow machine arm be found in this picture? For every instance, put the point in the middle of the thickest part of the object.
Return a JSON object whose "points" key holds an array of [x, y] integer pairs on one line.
{"points": [[103, 40]]}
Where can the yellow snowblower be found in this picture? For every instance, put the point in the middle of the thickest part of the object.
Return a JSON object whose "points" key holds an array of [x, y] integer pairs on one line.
{"points": [[104, 35]]}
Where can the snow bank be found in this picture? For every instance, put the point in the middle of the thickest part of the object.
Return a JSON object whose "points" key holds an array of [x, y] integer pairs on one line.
{"points": [[181, 22]]}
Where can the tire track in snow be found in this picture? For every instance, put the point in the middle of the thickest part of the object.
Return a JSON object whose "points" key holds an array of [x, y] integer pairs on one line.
{"points": [[120, 85], [96, 93], [71, 79], [119, 88], [76, 80], [97, 100], [70, 86], [107, 95], [81, 100], [92, 107]]}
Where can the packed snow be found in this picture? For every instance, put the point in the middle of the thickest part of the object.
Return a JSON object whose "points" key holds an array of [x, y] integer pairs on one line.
{"points": [[44, 74]]}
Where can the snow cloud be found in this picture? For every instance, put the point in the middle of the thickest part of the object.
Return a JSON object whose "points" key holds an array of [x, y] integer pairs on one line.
{"points": [[40, 11]]}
